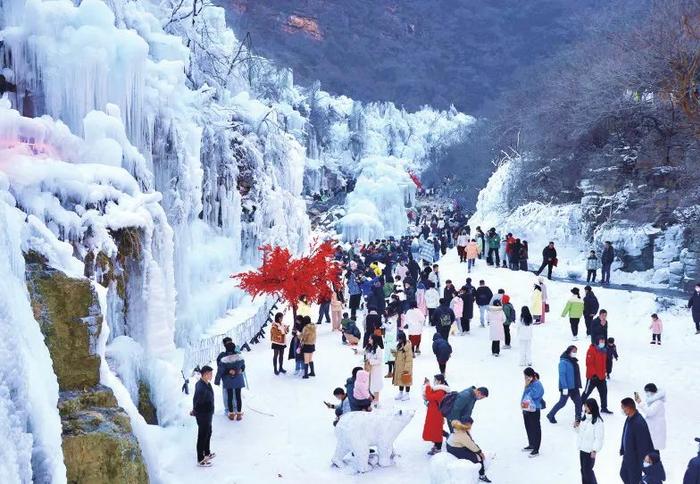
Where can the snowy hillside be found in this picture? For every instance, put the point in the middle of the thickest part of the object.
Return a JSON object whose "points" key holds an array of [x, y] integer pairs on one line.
{"points": [[143, 147]]}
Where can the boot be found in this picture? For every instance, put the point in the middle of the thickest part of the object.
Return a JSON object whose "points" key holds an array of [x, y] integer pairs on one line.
{"points": [[274, 365], [306, 371], [232, 415], [239, 416], [312, 369]]}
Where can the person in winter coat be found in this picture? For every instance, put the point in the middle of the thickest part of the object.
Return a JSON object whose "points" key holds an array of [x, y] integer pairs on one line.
{"points": [[443, 317], [340, 408], [351, 333], [514, 256], [413, 325], [653, 469], [636, 443], [481, 241], [442, 351], [545, 297], [509, 313], [449, 290], [403, 372], [694, 306], [391, 340], [308, 346], [494, 243], [596, 376], [230, 368], [483, 295], [432, 301], [355, 293], [656, 327], [612, 353], [592, 266], [524, 255], [462, 241], [336, 311], [376, 297], [433, 395], [457, 307], [303, 307], [591, 434], [374, 357], [599, 327], [461, 445], [525, 336], [468, 295], [295, 352], [531, 403], [569, 384], [496, 319], [361, 390], [536, 304], [653, 409], [278, 332], [463, 405], [606, 259], [692, 473], [324, 308], [471, 253], [549, 260], [590, 307], [574, 310], [203, 411]]}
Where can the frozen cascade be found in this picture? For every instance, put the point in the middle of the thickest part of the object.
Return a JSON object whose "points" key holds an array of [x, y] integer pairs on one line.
{"points": [[29, 420]]}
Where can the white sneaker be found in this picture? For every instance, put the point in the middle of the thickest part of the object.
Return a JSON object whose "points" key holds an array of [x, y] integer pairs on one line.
{"points": [[506, 347], [575, 338], [399, 396], [204, 463], [406, 396]]}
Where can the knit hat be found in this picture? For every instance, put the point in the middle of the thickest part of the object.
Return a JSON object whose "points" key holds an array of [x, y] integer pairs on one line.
{"points": [[505, 299]]}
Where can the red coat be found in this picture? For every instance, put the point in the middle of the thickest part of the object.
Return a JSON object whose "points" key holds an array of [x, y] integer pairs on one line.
{"points": [[596, 363], [432, 429]]}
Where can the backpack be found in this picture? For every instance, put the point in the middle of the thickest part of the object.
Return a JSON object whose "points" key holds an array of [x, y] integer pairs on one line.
{"points": [[447, 403]]}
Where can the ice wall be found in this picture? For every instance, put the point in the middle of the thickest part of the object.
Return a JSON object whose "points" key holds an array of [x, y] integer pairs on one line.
{"points": [[29, 420]]}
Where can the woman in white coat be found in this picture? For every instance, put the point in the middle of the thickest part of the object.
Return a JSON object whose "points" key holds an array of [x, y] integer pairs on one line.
{"points": [[496, 317], [374, 358], [525, 336], [653, 409], [591, 434]]}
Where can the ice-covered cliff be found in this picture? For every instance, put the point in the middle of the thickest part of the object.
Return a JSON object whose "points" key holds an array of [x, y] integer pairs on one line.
{"points": [[143, 147]]}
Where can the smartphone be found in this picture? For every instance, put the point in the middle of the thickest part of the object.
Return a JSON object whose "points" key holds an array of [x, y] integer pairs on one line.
{"points": [[636, 395]]}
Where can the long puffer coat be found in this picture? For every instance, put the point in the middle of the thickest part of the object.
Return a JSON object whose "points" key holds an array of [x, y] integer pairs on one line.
{"points": [[403, 363]]}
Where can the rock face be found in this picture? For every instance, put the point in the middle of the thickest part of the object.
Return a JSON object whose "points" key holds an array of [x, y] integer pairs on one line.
{"points": [[98, 445]]}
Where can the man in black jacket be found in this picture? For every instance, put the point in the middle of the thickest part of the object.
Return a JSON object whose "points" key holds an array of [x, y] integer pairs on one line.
{"points": [[483, 297], [467, 293], [549, 258], [203, 411], [636, 443], [599, 327], [590, 307], [443, 317], [606, 260], [694, 306]]}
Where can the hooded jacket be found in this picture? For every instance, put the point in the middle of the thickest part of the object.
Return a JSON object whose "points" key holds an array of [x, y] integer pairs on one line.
{"points": [[653, 409], [496, 318], [573, 308], [441, 348], [590, 435], [569, 372], [596, 363], [361, 386]]}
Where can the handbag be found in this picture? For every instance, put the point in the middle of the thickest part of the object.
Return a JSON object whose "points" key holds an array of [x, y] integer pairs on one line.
{"points": [[546, 307], [406, 378], [555, 261]]}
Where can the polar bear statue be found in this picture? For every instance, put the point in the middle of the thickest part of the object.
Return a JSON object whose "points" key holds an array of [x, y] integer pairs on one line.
{"points": [[356, 432], [447, 469]]}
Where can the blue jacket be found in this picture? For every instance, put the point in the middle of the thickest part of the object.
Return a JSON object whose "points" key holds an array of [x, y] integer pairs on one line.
{"points": [[534, 392], [353, 286], [692, 474], [569, 373], [441, 348], [227, 361]]}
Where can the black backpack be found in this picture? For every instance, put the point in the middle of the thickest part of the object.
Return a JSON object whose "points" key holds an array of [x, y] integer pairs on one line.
{"points": [[447, 403]]}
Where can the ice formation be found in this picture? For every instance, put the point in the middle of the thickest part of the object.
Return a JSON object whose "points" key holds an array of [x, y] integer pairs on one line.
{"points": [[144, 147], [356, 432]]}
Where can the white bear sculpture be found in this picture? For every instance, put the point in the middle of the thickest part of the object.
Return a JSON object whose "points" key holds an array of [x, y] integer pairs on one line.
{"points": [[447, 469], [356, 432]]}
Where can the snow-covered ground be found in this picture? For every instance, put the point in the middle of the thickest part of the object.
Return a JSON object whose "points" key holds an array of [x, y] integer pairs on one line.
{"points": [[286, 434]]}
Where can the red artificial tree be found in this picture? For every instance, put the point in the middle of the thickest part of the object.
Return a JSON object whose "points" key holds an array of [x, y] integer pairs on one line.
{"points": [[288, 278]]}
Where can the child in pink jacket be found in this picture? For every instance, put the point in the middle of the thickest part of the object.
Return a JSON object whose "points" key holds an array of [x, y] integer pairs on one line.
{"points": [[656, 328], [360, 392], [457, 305]]}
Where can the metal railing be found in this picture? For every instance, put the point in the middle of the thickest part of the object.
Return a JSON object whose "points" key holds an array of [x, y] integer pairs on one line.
{"points": [[243, 334]]}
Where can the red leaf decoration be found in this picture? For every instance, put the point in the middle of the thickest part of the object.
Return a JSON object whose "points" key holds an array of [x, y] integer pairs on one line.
{"points": [[288, 278]]}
